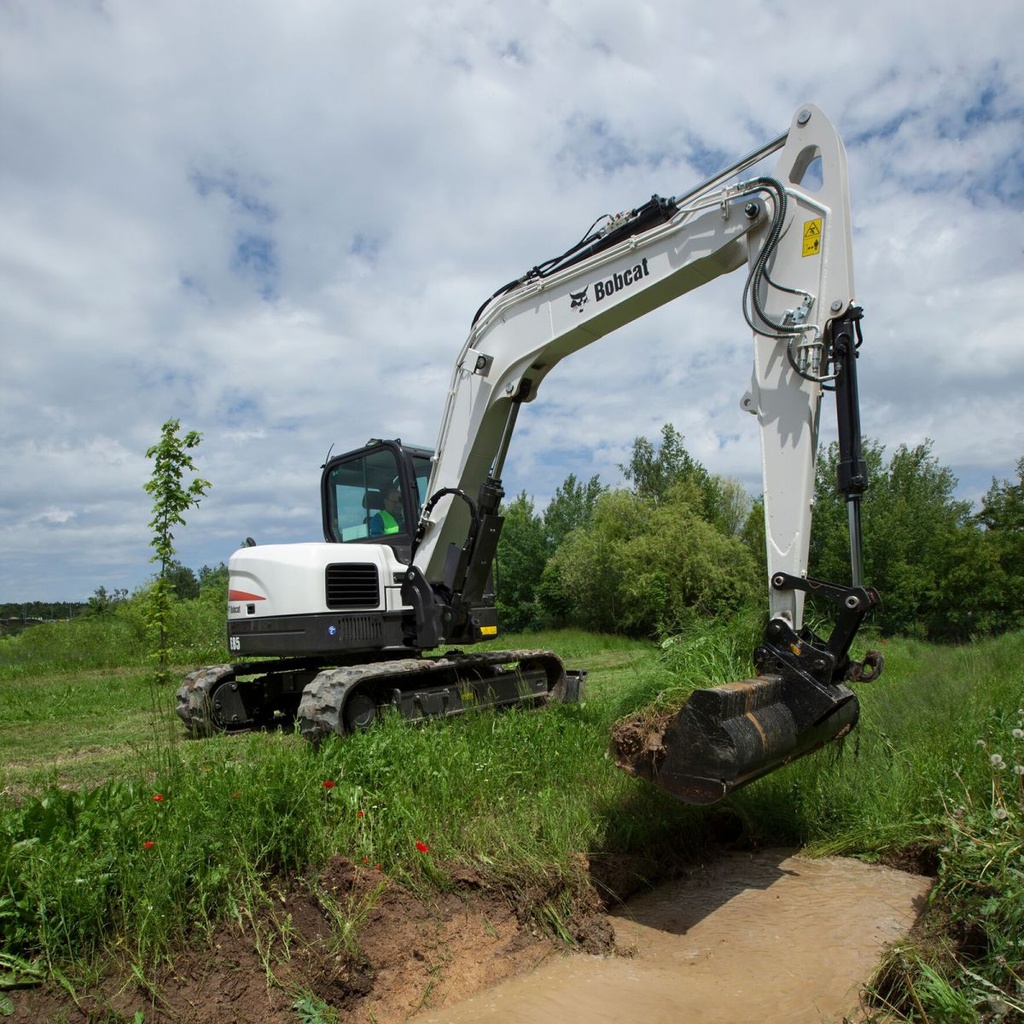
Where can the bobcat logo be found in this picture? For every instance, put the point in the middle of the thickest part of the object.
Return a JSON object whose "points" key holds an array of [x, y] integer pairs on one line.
{"points": [[579, 299]]}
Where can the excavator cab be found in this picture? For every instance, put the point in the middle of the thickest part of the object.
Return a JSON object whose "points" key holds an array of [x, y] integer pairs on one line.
{"points": [[375, 493]]}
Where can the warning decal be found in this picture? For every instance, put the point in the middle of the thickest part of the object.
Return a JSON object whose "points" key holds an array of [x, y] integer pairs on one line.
{"points": [[812, 237]]}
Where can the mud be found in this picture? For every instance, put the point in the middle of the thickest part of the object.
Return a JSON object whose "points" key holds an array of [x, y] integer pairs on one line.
{"points": [[769, 938], [637, 742]]}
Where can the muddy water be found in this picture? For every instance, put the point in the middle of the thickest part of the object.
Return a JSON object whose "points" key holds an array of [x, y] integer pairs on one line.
{"points": [[762, 938]]}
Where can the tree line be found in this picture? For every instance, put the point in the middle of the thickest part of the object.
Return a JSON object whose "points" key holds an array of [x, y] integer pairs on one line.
{"points": [[679, 544], [209, 582]]}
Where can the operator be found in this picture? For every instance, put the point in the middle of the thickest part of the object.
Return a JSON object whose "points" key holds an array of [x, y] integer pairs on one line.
{"points": [[389, 518]]}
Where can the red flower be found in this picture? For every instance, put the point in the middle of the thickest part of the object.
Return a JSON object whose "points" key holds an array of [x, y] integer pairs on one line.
{"points": [[158, 798], [360, 814], [328, 784], [379, 868], [149, 844], [422, 847]]}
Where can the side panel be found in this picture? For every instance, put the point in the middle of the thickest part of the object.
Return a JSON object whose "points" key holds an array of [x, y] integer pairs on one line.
{"points": [[286, 599], [315, 635]]}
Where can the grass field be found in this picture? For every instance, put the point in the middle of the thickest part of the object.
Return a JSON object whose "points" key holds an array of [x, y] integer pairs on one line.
{"points": [[117, 832]]}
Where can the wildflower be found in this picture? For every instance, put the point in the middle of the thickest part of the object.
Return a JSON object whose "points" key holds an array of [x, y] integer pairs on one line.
{"points": [[366, 860], [379, 868], [328, 784], [982, 744], [997, 762], [422, 847], [1018, 769], [149, 844], [360, 814], [1000, 814], [158, 798], [1018, 734]]}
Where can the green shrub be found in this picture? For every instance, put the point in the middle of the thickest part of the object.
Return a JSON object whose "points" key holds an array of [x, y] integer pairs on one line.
{"points": [[647, 568]]}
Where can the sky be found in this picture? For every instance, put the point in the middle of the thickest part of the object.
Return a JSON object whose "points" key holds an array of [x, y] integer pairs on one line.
{"points": [[274, 222]]}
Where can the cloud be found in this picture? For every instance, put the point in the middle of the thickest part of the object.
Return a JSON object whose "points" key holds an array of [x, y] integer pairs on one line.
{"points": [[276, 224]]}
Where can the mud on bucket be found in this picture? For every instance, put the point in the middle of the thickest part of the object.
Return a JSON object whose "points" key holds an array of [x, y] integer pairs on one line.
{"points": [[727, 736]]}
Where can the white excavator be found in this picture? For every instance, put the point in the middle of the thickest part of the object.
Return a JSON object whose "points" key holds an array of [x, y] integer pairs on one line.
{"points": [[335, 633]]}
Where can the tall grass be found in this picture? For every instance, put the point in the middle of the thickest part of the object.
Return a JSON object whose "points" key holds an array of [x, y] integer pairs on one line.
{"points": [[162, 854]]}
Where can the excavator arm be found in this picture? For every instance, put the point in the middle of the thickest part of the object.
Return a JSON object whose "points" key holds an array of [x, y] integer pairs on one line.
{"points": [[791, 232]]}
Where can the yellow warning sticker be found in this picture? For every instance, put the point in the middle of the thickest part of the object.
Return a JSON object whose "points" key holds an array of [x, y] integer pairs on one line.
{"points": [[812, 237]]}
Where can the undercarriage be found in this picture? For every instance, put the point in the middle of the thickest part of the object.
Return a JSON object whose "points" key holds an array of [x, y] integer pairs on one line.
{"points": [[326, 701]]}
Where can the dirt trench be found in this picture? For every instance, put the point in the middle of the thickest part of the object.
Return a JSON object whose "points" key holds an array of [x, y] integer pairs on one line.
{"points": [[765, 938], [761, 937]]}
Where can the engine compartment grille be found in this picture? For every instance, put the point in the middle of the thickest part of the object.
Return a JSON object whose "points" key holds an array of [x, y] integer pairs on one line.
{"points": [[353, 585]]}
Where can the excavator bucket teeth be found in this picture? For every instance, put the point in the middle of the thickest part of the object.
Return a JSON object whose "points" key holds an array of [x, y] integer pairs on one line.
{"points": [[727, 736]]}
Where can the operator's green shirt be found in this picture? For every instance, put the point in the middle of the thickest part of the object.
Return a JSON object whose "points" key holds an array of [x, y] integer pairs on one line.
{"points": [[389, 522]]}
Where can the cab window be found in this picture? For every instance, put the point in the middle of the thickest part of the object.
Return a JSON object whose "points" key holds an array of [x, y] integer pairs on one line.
{"points": [[421, 465], [365, 497]]}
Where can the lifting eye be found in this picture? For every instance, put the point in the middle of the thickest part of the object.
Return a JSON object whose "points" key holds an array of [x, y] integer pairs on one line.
{"points": [[807, 170]]}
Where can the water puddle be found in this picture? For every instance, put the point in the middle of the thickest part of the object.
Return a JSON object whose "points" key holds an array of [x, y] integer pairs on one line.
{"points": [[765, 938]]}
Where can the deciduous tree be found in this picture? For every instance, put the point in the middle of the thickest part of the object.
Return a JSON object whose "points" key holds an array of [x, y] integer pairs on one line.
{"points": [[522, 553], [172, 497], [570, 508]]}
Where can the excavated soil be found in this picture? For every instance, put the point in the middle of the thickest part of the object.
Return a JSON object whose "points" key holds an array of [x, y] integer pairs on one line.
{"points": [[636, 742], [750, 937]]}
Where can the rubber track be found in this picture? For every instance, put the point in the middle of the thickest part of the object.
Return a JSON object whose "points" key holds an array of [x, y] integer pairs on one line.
{"points": [[320, 710], [193, 703]]}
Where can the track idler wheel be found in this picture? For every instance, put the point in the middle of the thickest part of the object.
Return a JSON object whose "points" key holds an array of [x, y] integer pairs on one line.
{"points": [[727, 736]]}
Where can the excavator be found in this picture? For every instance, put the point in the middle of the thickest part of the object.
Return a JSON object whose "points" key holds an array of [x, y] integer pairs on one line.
{"points": [[334, 634]]}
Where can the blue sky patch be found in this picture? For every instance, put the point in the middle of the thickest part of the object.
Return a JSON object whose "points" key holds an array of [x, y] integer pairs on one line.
{"points": [[227, 184]]}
